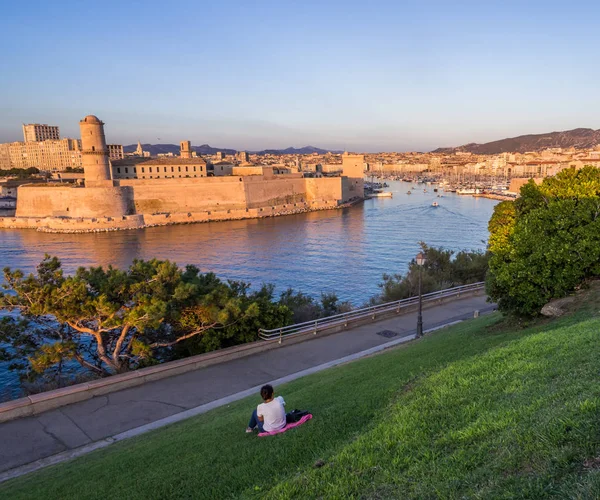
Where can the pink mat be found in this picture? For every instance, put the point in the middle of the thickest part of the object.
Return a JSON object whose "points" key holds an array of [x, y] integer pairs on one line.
{"points": [[305, 418]]}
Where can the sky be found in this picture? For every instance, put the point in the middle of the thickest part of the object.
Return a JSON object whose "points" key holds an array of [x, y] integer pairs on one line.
{"points": [[355, 75]]}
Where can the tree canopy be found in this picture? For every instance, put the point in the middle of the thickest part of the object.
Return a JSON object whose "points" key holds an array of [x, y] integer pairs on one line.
{"points": [[546, 243], [111, 320]]}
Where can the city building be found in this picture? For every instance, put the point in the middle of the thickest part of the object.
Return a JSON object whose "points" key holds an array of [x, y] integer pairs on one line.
{"points": [[47, 156], [115, 152], [243, 157], [164, 167], [35, 132]]}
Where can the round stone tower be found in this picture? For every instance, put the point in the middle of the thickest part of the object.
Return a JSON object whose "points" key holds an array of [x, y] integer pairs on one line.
{"points": [[96, 165]]}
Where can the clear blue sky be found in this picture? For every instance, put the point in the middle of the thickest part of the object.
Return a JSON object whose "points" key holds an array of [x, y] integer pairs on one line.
{"points": [[362, 76]]}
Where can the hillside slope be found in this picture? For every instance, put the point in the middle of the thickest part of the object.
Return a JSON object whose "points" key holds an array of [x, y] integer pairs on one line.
{"points": [[481, 410], [577, 138]]}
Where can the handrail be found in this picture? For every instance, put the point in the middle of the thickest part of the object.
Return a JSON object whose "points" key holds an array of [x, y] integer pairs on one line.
{"points": [[316, 325]]}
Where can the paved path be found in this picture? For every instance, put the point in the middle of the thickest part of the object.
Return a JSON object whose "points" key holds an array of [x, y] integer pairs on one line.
{"points": [[29, 439]]}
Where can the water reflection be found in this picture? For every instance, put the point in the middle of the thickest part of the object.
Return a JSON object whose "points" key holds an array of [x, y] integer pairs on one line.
{"points": [[343, 251]]}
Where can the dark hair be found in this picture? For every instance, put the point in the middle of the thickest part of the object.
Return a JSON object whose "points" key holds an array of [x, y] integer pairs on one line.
{"points": [[266, 392]]}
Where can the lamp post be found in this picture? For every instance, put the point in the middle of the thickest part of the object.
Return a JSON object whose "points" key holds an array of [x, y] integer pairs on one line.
{"points": [[420, 259]]}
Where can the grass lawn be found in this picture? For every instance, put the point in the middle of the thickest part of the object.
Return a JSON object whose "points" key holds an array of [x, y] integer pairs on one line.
{"points": [[481, 410]]}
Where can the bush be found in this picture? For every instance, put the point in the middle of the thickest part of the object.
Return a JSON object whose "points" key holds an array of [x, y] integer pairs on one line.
{"points": [[442, 269], [546, 243]]}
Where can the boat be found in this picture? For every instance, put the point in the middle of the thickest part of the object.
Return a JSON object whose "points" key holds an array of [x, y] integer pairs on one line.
{"points": [[467, 191], [435, 204], [380, 194], [408, 192], [435, 190]]}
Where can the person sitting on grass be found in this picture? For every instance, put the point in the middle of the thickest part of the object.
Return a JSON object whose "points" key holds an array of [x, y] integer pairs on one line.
{"points": [[270, 415]]}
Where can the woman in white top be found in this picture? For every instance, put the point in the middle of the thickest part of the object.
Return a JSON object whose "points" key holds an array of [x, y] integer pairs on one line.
{"points": [[270, 415]]}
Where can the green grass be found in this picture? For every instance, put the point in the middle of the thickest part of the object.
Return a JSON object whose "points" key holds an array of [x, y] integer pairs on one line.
{"points": [[481, 410]]}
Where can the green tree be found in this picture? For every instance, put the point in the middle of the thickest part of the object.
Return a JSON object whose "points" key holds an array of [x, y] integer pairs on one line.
{"points": [[442, 269], [305, 308], [111, 320], [546, 243]]}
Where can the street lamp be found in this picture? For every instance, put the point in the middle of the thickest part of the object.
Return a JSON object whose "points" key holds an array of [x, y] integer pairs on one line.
{"points": [[420, 259]]}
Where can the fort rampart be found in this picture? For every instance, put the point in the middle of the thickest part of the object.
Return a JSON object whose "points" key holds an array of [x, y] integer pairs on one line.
{"points": [[106, 204], [138, 221]]}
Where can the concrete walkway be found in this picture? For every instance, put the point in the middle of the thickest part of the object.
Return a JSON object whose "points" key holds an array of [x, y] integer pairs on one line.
{"points": [[30, 439]]}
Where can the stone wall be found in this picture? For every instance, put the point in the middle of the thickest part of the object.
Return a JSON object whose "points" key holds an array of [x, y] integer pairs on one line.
{"points": [[229, 193], [144, 202], [187, 195], [518, 182], [73, 201], [101, 224]]}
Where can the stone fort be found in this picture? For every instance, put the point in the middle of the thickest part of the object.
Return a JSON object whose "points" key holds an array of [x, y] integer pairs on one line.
{"points": [[108, 200]]}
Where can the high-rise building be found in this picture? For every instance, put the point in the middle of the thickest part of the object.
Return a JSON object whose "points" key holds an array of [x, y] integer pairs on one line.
{"points": [[35, 132], [115, 151], [49, 156], [243, 157]]}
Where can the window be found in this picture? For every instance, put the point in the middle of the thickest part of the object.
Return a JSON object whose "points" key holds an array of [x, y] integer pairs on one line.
{"points": [[134, 170], [126, 170], [150, 170], [186, 169], [194, 169], [142, 169], [165, 169], [172, 169], [179, 170], [118, 170]]}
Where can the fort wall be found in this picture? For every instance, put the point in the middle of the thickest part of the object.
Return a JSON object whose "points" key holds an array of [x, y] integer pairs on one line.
{"points": [[187, 194], [102, 224], [73, 201], [107, 204]]}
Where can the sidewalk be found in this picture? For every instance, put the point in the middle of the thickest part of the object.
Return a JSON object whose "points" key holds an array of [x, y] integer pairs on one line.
{"points": [[29, 439]]}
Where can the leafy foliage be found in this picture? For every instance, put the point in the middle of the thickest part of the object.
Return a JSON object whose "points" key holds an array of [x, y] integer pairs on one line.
{"points": [[20, 173], [306, 308], [546, 243], [442, 269], [112, 321]]}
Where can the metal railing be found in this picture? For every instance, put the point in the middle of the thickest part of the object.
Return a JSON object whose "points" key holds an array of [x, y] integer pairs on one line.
{"points": [[372, 312]]}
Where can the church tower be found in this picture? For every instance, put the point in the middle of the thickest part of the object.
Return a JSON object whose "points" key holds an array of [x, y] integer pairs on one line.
{"points": [[139, 150], [96, 165], [185, 149]]}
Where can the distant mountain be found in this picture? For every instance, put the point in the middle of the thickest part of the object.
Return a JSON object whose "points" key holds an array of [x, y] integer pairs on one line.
{"points": [[205, 149], [306, 150], [578, 138]]}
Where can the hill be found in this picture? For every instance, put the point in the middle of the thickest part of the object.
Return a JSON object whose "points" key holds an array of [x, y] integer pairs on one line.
{"points": [[205, 149], [578, 138], [306, 150], [484, 409]]}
